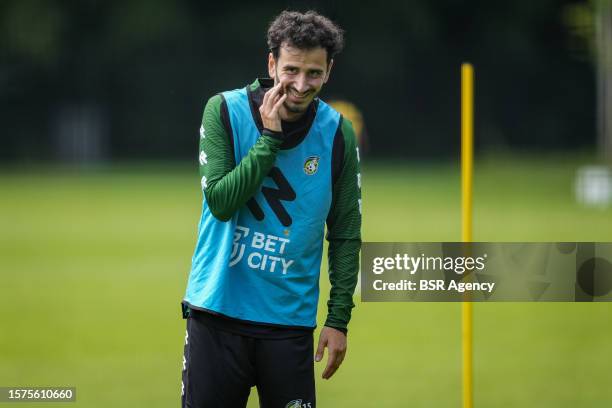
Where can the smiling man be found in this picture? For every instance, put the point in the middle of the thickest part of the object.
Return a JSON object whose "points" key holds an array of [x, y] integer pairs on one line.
{"points": [[277, 164]]}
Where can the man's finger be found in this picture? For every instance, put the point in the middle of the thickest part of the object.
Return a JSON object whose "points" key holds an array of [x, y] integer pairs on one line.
{"points": [[340, 360], [270, 94], [278, 104], [341, 356], [320, 349], [331, 372], [332, 366], [265, 98]]}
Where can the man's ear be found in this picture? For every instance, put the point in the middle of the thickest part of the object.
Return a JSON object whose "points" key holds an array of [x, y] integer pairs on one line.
{"points": [[271, 65], [331, 64]]}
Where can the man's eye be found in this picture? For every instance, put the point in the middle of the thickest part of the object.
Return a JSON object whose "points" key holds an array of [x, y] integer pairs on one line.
{"points": [[315, 74], [291, 70]]}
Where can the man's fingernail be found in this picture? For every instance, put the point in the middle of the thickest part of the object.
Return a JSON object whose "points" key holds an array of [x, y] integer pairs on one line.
{"points": [[317, 358]]}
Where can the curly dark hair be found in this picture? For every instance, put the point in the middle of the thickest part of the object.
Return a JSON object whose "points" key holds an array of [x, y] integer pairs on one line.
{"points": [[306, 31]]}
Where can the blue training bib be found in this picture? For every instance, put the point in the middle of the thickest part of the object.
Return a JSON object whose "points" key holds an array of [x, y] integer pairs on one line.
{"points": [[263, 265]]}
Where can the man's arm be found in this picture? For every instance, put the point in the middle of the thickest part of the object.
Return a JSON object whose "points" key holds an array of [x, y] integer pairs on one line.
{"points": [[227, 186], [344, 236]]}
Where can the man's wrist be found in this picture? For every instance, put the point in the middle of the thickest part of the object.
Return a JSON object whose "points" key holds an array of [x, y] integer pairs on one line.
{"points": [[338, 327], [273, 133]]}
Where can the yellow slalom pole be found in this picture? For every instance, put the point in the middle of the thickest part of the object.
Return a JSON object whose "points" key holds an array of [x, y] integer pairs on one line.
{"points": [[467, 153]]}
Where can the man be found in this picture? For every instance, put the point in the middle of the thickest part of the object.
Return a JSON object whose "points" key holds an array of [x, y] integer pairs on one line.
{"points": [[277, 164]]}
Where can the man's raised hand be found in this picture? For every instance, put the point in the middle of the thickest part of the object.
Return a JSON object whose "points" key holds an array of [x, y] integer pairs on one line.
{"points": [[272, 101]]}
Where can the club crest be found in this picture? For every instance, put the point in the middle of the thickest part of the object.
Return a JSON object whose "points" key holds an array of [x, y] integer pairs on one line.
{"points": [[294, 404], [311, 165]]}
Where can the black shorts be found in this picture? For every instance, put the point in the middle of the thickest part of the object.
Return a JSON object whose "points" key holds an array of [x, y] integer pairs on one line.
{"points": [[220, 367]]}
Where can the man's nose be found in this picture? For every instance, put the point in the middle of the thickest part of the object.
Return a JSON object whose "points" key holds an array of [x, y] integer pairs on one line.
{"points": [[301, 85]]}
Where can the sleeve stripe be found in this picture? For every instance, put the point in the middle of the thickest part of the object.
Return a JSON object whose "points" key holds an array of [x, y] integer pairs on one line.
{"points": [[337, 154], [227, 124]]}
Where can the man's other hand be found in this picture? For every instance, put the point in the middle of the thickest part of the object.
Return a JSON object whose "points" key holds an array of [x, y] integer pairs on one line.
{"points": [[335, 341]]}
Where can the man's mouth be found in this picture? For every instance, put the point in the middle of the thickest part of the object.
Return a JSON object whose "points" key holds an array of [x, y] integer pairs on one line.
{"points": [[297, 96]]}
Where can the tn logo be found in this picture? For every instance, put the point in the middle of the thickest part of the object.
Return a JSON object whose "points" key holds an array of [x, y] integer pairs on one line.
{"points": [[274, 196], [237, 248]]}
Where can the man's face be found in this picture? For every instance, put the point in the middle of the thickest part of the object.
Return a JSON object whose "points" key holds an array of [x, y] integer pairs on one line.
{"points": [[302, 73]]}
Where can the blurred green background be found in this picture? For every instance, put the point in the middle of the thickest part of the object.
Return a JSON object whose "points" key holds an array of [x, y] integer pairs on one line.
{"points": [[95, 263], [93, 81], [100, 105]]}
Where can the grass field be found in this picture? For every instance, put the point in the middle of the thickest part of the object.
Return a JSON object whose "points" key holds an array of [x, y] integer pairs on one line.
{"points": [[94, 265]]}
